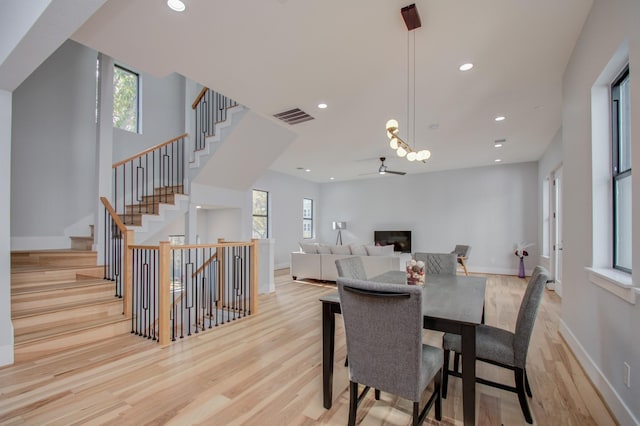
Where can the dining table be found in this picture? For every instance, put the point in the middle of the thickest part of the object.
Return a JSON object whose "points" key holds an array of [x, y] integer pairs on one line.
{"points": [[450, 303]]}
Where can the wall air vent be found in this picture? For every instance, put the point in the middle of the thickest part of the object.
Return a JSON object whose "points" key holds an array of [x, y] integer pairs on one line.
{"points": [[293, 116]]}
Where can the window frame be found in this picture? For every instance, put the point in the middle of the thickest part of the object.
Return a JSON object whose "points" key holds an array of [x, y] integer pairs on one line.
{"points": [[617, 175], [307, 219], [265, 216], [138, 103]]}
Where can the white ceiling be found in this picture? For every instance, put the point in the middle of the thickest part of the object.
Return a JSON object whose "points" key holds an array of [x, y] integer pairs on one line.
{"points": [[274, 55]]}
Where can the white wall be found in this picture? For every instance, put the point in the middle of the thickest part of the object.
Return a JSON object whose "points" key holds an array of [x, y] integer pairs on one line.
{"points": [[6, 328], [285, 196], [219, 223], [601, 328], [53, 148], [550, 161], [490, 208]]}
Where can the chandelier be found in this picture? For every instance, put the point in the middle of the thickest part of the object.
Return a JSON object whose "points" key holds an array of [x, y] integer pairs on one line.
{"points": [[402, 148]]}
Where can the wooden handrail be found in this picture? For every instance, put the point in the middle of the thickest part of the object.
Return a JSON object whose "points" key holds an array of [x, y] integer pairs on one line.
{"points": [[199, 97], [148, 150], [116, 218], [205, 264], [194, 246]]}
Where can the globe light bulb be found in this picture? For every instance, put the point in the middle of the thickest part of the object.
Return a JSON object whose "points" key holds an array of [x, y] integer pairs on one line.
{"points": [[401, 152], [392, 125], [393, 143], [423, 155], [412, 156]]}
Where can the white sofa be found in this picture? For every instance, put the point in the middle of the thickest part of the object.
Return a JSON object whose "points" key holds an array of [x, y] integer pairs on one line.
{"points": [[322, 266]]}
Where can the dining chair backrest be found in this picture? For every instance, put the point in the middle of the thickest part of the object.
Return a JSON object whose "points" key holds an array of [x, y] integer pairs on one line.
{"points": [[438, 263], [527, 316], [351, 267], [462, 250], [383, 327]]}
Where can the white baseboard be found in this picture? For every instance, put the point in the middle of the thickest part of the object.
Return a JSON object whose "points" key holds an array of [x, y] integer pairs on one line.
{"points": [[40, 243], [623, 415]]}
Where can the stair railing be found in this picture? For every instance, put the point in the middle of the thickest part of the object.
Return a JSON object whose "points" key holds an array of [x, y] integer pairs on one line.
{"points": [[210, 109], [117, 265], [178, 291], [148, 178]]}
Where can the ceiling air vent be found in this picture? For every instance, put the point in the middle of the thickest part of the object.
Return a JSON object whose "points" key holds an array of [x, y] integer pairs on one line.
{"points": [[293, 116]]}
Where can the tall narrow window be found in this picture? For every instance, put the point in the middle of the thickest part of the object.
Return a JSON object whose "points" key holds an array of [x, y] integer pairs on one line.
{"points": [[126, 97], [621, 171], [260, 214], [307, 218]]}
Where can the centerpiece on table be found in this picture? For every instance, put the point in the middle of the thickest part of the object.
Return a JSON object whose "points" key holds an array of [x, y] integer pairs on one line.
{"points": [[415, 272], [521, 252]]}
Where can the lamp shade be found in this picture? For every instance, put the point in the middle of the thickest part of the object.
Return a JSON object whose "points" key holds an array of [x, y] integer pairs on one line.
{"points": [[339, 225]]}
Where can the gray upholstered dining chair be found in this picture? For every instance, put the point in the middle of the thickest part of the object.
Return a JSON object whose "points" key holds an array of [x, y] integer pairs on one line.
{"points": [[383, 326], [462, 252], [351, 267], [502, 347], [438, 263]]}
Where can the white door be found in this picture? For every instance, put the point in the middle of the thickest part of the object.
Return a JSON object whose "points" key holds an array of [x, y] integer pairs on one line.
{"points": [[556, 232]]}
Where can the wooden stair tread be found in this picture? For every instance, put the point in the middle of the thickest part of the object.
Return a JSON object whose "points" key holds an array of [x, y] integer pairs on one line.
{"points": [[60, 286], [39, 268], [65, 329], [22, 313]]}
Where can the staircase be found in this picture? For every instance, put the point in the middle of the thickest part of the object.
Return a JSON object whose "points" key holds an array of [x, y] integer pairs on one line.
{"points": [[60, 301]]}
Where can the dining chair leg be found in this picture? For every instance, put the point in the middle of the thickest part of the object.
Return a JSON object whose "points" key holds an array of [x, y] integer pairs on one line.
{"points": [[377, 394], [522, 397], [445, 374], [438, 390], [353, 402], [526, 384], [456, 362], [416, 413]]}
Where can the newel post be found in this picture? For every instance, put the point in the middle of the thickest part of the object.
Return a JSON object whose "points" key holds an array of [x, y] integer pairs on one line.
{"points": [[254, 276], [127, 267], [164, 293]]}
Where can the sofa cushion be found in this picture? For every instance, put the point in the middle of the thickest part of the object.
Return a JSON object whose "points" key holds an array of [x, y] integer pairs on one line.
{"points": [[340, 249], [324, 249], [358, 250], [380, 250], [309, 248]]}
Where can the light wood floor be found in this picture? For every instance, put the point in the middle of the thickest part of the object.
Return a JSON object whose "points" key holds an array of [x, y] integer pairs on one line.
{"points": [[266, 370]]}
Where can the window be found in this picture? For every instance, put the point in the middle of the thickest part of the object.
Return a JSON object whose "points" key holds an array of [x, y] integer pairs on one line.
{"points": [[621, 171], [307, 218], [126, 99], [260, 214]]}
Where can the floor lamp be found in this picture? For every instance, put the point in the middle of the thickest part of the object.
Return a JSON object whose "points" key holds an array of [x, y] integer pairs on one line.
{"points": [[339, 226]]}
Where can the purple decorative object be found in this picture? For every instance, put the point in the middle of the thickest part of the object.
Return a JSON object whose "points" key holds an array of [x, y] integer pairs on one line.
{"points": [[521, 269]]}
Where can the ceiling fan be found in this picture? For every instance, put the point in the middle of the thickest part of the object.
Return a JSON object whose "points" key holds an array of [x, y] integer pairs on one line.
{"points": [[383, 169]]}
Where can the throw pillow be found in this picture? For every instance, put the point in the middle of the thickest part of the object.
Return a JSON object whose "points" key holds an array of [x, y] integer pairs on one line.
{"points": [[324, 249], [340, 250], [380, 250], [309, 248], [358, 250]]}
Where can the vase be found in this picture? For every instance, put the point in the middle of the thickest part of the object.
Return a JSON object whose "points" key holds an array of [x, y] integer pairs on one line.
{"points": [[521, 269], [415, 272]]}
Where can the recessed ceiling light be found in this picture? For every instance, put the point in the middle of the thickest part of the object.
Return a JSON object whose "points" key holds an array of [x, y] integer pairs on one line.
{"points": [[466, 67], [500, 118], [322, 105], [498, 143], [331, 178], [307, 170], [176, 5], [198, 207], [497, 160]]}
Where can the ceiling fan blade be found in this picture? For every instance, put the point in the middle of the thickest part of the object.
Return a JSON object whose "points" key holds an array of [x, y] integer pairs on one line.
{"points": [[393, 172]]}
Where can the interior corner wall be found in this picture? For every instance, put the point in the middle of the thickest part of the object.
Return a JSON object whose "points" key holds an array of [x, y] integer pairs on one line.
{"points": [[285, 203], [489, 208], [550, 161], [6, 328], [600, 328], [53, 148]]}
